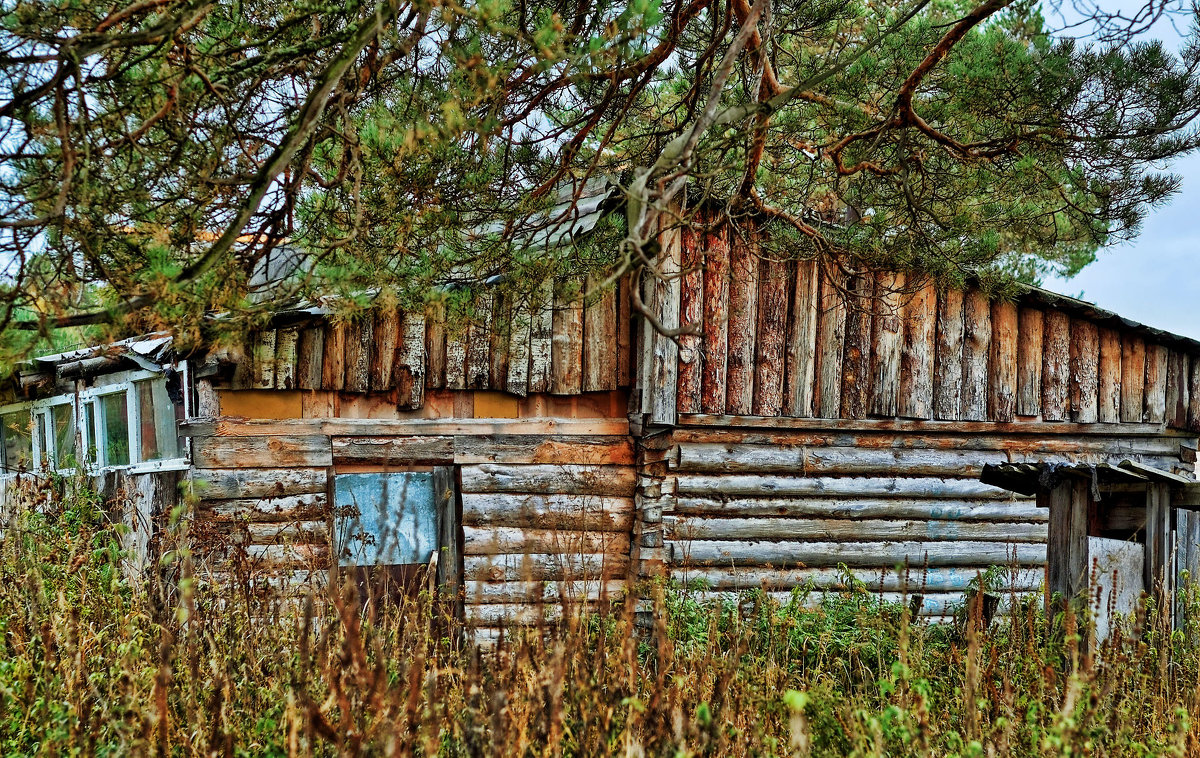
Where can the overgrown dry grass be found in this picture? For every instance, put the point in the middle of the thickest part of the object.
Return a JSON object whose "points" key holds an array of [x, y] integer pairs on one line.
{"points": [[90, 665]]}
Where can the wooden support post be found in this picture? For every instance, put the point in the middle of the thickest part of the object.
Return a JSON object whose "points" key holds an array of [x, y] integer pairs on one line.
{"points": [[1067, 543], [449, 567], [1156, 574]]}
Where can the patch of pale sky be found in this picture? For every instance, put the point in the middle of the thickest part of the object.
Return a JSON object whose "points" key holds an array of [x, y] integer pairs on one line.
{"points": [[1154, 278]]}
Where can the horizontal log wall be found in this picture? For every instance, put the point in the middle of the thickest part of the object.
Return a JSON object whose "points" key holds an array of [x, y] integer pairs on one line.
{"points": [[789, 504], [881, 346]]}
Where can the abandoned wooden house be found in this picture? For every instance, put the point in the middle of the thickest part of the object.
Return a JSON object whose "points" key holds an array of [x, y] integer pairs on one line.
{"points": [[797, 440]]}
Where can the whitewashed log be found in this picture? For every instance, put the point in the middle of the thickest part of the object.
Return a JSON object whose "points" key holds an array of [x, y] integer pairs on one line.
{"points": [[860, 508], [905, 487], [567, 449], [684, 529], [214, 484], [289, 532], [831, 460], [566, 479], [549, 511], [915, 580], [393, 450], [265, 508], [494, 540], [881, 554], [513, 567], [478, 593]]}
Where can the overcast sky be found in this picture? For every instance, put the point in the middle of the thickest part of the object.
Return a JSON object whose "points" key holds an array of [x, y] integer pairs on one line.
{"points": [[1156, 278]]}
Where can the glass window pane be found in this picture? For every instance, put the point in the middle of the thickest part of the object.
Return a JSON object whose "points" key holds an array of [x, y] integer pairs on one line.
{"points": [[157, 419], [116, 429], [18, 441], [384, 519], [63, 417], [89, 426], [41, 424]]}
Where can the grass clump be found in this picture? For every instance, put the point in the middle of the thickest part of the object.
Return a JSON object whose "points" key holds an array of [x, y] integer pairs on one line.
{"points": [[94, 664]]}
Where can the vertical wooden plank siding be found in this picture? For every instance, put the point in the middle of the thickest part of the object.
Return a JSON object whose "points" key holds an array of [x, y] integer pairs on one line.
{"points": [[625, 331], [1067, 545], [977, 341], [948, 363], [567, 346], [479, 337], [802, 342], [456, 356], [1031, 324], [716, 320], [435, 345], [517, 381], [831, 333], [1002, 373], [1109, 377], [499, 337], [663, 369], [309, 355], [333, 372], [1084, 382], [600, 338], [1156, 573], [264, 359], [1056, 368], [1193, 414], [410, 370], [691, 307], [856, 358], [358, 354], [541, 337], [743, 307], [1156, 384], [1183, 361], [770, 345], [917, 357], [1133, 378], [383, 357], [886, 343], [285, 358]]}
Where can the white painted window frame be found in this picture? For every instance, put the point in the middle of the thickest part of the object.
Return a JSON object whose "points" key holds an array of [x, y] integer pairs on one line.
{"points": [[124, 382]]}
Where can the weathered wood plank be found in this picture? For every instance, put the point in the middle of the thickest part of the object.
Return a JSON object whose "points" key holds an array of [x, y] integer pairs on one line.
{"points": [[479, 593], [1183, 382], [1109, 376], [743, 319], [1193, 414], [383, 353], [408, 371], [566, 479], [1002, 363], [691, 315], [285, 508], [600, 337], [705, 457], [917, 356], [788, 554], [333, 371], [771, 339], [216, 484], [831, 338], [541, 340], [1067, 573], [799, 390], [349, 427], [863, 508], [1157, 575], [456, 356], [728, 485], [276, 451], [625, 322], [948, 363], [264, 359], [1133, 378], [660, 388], [580, 513], [977, 343], [499, 337], [716, 320], [887, 341], [1156, 384], [916, 581], [540, 448], [359, 336], [435, 345], [823, 530], [856, 356], [1085, 372], [517, 382], [310, 351], [1175, 388], [1056, 366], [286, 346], [1030, 336], [545, 567], [479, 343], [502, 540], [384, 451]]}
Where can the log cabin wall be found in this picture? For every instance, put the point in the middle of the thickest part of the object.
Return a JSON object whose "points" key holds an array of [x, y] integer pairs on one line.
{"points": [[799, 431], [528, 412]]}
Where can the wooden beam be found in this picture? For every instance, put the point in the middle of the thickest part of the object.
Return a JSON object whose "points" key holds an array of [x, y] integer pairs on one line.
{"points": [[1067, 547]]}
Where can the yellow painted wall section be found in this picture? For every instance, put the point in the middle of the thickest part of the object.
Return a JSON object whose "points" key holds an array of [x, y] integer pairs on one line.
{"points": [[496, 405], [272, 404]]}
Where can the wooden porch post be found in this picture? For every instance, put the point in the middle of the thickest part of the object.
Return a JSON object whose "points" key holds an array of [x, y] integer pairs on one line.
{"points": [[1067, 545], [1156, 573]]}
